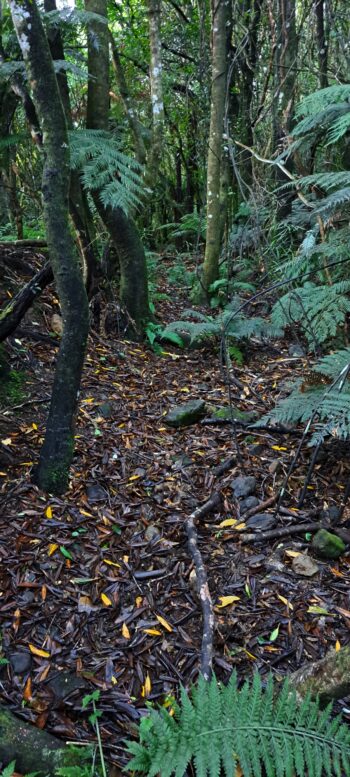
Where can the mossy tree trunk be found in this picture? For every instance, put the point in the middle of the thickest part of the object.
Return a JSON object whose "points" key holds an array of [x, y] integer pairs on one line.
{"points": [[56, 454], [121, 227], [219, 11]]}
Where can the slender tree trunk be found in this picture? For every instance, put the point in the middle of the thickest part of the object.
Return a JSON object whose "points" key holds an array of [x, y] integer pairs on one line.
{"points": [[322, 47], [122, 230], [134, 124], [219, 10], [57, 451], [156, 151]]}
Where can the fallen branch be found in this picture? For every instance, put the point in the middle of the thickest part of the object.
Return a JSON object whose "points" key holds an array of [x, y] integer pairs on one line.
{"points": [[260, 507], [202, 583], [16, 309], [284, 531], [246, 425], [37, 242]]}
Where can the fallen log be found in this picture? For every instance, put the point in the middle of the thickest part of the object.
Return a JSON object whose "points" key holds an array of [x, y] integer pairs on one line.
{"points": [[13, 313], [32, 749]]}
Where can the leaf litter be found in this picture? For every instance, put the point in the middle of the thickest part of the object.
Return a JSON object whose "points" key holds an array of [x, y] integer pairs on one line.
{"points": [[97, 588]]}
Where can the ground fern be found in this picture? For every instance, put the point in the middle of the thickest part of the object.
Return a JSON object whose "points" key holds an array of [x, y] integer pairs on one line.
{"points": [[216, 728]]}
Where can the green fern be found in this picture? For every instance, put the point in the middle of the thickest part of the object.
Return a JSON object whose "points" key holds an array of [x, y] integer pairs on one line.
{"points": [[105, 168], [328, 407], [319, 310], [217, 727]]}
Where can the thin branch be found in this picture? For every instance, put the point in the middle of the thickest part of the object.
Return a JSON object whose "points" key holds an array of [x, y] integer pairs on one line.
{"points": [[202, 583]]}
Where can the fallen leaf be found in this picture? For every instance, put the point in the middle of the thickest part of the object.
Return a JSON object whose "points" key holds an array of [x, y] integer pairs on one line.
{"points": [[147, 687], [153, 632], [52, 547], [111, 563], [48, 512], [106, 601], [285, 601], [38, 652], [228, 522], [316, 610], [337, 646], [27, 692], [125, 631], [164, 623], [226, 600]]}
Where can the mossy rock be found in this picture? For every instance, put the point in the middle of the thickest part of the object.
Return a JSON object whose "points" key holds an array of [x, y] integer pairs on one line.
{"points": [[327, 545], [226, 413], [186, 414]]}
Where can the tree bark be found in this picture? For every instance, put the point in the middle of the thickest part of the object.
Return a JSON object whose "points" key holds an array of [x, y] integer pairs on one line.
{"points": [[32, 749], [328, 678], [56, 454], [322, 47], [122, 229], [155, 71], [215, 142]]}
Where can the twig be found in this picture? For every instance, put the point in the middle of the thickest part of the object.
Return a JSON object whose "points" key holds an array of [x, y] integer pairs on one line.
{"points": [[260, 507], [202, 583], [285, 531]]}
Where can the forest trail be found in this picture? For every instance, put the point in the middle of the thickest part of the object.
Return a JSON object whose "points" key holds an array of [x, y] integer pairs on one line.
{"points": [[97, 588]]}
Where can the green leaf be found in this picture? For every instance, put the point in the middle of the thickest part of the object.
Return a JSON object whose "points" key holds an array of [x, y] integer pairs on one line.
{"points": [[274, 634], [66, 552]]}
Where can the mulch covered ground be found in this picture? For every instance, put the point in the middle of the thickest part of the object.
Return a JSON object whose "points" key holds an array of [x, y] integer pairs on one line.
{"points": [[97, 588]]}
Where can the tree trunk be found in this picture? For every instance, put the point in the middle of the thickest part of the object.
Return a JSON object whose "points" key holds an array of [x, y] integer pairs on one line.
{"points": [[56, 454], [155, 71], [77, 201], [32, 749], [322, 47], [122, 230], [329, 678], [215, 142]]}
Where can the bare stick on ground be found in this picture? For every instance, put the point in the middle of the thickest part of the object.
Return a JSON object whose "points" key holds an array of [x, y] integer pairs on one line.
{"points": [[202, 583]]}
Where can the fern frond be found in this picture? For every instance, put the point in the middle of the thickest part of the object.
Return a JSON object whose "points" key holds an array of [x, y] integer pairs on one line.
{"points": [[72, 17], [319, 310], [338, 128], [321, 119], [216, 728], [105, 168], [334, 201], [316, 101]]}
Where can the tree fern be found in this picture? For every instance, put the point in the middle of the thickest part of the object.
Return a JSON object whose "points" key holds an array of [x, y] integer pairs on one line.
{"points": [[229, 323], [105, 168], [216, 728], [319, 310]]}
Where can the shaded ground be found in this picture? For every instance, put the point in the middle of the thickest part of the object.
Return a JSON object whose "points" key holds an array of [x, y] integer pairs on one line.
{"points": [[96, 589]]}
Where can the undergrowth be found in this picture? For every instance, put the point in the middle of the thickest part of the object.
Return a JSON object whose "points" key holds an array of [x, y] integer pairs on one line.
{"points": [[261, 729]]}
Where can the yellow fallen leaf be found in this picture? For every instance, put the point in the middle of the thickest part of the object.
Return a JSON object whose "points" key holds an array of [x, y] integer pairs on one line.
{"points": [[337, 646], [285, 601], [7, 441], [138, 601], [106, 601], [153, 632], [164, 623], [227, 522], [125, 631], [52, 547], [48, 512], [226, 600], [89, 400], [147, 687], [133, 477], [278, 448], [34, 426], [111, 563], [292, 553], [250, 655], [88, 515], [240, 526], [125, 559], [38, 652]]}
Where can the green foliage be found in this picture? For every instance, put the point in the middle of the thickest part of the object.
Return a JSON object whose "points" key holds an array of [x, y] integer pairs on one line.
{"points": [[11, 383], [216, 728], [106, 169], [328, 407], [191, 227], [319, 310], [78, 762], [196, 327]]}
